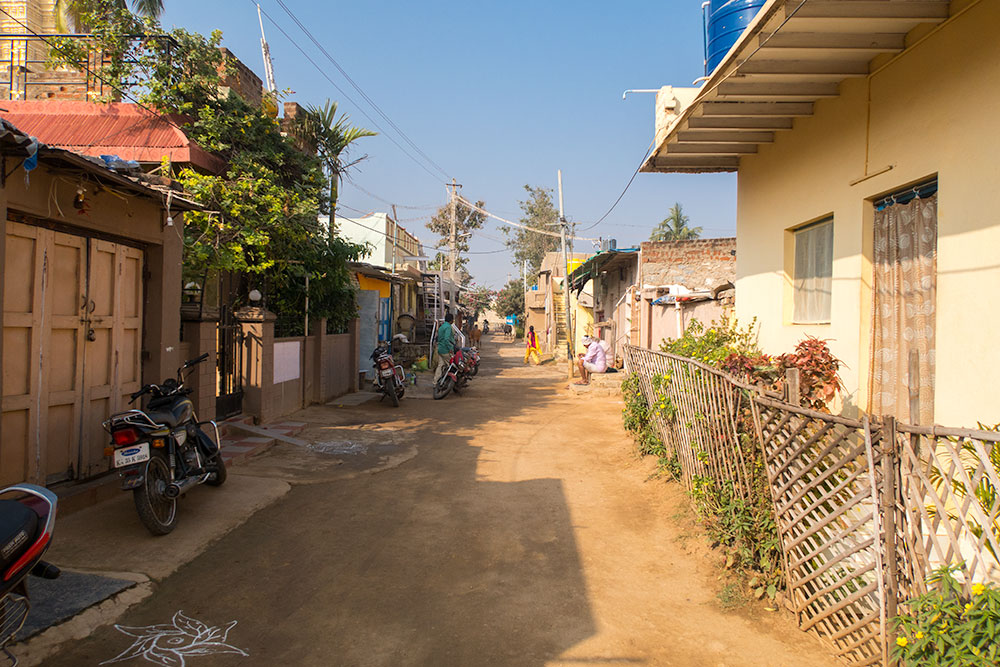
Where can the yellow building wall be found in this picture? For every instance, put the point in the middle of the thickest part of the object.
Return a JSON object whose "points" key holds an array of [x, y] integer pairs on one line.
{"points": [[933, 111], [383, 288], [583, 318]]}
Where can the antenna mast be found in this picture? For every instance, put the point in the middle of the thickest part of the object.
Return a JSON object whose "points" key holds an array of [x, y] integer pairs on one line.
{"points": [[268, 67]]}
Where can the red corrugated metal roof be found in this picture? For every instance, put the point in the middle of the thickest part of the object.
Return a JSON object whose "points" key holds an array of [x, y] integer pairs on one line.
{"points": [[126, 130]]}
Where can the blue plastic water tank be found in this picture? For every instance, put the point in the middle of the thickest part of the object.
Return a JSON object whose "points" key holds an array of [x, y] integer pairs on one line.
{"points": [[725, 22]]}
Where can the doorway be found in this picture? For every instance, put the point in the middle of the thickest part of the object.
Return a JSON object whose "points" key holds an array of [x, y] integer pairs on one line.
{"points": [[72, 350], [904, 302]]}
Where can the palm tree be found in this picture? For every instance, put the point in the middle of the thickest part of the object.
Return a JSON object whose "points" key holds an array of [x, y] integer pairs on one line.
{"points": [[68, 12], [675, 227], [332, 136]]}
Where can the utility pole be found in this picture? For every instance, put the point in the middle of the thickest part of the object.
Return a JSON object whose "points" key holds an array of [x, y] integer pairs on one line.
{"points": [[454, 223], [569, 331]]}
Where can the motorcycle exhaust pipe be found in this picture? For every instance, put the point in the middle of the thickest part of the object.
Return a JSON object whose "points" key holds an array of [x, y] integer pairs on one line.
{"points": [[175, 489]]}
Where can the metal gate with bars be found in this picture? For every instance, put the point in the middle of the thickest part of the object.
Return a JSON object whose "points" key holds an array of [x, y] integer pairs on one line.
{"points": [[866, 509], [229, 400]]}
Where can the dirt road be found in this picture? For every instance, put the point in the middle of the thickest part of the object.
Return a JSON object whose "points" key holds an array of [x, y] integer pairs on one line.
{"points": [[509, 526]]}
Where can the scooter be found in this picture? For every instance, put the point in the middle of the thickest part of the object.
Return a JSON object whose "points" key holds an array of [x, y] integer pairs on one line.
{"points": [[163, 451], [389, 376], [27, 519]]}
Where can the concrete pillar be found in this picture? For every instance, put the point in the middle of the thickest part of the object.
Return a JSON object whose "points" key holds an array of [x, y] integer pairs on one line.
{"points": [[202, 334], [258, 362], [324, 360], [354, 328], [162, 311]]}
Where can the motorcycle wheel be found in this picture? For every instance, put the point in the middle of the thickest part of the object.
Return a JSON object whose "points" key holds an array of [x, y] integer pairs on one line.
{"points": [[442, 387], [157, 512], [218, 470], [392, 392], [475, 370]]}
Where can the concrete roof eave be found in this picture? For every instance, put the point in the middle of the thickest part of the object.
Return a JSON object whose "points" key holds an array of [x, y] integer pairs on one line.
{"points": [[794, 54]]}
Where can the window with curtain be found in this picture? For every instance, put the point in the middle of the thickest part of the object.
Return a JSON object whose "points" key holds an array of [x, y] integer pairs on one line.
{"points": [[904, 304], [813, 274]]}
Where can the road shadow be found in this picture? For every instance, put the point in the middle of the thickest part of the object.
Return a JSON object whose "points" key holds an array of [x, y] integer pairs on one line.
{"points": [[427, 563]]}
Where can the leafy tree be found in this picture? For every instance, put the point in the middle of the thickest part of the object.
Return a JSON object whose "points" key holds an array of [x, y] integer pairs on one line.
{"points": [[675, 227], [479, 298], [70, 13], [332, 136], [261, 214], [510, 300], [539, 212], [467, 219]]}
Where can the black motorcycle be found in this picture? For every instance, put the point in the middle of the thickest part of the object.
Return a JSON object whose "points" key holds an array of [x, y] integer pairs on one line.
{"points": [[389, 376], [163, 451], [27, 519]]}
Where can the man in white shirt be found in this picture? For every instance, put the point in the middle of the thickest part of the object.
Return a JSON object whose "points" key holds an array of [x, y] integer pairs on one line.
{"points": [[594, 361]]}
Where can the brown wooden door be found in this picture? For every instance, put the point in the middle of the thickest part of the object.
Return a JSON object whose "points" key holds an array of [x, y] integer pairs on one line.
{"points": [[113, 351], [72, 330]]}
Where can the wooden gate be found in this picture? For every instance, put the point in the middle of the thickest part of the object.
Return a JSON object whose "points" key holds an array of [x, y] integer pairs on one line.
{"points": [[72, 328]]}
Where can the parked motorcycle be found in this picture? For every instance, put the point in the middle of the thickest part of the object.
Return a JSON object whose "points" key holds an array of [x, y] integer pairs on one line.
{"points": [[472, 355], [456, 376], [389, 376], [27, 518], [163, 451]]}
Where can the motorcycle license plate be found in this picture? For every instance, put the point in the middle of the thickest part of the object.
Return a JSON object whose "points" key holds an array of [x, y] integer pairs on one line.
{"points": [[386, 372], [126, 456]]}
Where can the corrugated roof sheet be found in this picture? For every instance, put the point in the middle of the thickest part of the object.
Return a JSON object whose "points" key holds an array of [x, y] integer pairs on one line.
{"points": [[126, 130]]}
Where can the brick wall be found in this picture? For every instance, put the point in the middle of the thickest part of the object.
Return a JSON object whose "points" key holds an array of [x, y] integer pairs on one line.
{"points": [[243, 81], [698, 264]]}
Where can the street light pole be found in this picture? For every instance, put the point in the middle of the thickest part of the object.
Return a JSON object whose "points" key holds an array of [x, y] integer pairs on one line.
{"points": [[562, 236]]}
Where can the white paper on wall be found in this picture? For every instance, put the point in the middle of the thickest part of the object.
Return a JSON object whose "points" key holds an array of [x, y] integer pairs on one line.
{"points": [[286, 361]]}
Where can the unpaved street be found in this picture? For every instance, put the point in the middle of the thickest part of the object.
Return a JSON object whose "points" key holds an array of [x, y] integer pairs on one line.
{"points": [[509, 526]]}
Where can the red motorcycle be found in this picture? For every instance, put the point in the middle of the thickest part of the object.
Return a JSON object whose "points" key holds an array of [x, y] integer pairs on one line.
{"points": [[456, 376], [389, 376], [27, 518]]}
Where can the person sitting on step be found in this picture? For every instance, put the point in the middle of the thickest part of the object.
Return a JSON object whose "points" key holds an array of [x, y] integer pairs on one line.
{"points": [[594, 361]]}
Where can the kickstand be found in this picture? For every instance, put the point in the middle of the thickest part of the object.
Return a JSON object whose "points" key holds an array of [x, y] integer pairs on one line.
{"points": [[10, 656]]}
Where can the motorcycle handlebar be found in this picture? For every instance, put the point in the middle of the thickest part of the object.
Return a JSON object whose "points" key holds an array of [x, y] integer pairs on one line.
{"points": [[193, 362]]}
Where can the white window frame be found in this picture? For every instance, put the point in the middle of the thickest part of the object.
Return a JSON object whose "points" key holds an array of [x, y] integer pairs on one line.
{"points": [[812, 280]]}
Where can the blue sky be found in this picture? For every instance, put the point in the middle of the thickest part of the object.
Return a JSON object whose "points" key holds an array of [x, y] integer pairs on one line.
{"points": [[498, 94]]}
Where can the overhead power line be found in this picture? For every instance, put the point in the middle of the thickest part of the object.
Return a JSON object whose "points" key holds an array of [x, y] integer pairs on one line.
{"points": [[429, 207], [627, 186], [544, 232], [423, 246], [358, 88], [350, 99]]}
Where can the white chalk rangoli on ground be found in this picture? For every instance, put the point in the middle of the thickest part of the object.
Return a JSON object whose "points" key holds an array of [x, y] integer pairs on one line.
{"points": [[169, 644]]}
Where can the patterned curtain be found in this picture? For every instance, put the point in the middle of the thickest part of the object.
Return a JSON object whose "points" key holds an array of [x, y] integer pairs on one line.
{"points": [[903, 307]]}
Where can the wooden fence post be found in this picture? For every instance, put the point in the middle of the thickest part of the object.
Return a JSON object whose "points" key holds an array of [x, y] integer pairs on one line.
{"points": [[889, 490], [792, 386], [914, 386]]}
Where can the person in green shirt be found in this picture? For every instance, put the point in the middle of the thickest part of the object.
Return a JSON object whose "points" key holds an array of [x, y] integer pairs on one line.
{"points": [[445, 345]]}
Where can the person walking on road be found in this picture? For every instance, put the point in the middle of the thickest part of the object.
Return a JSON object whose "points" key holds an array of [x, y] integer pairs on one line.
{"points": [[445, 345], [531, 346]]}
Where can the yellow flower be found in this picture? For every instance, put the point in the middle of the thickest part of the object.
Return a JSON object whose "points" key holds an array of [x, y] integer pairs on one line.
{"points": [[977, 589], [944, 625], [901, 641], [919, 635], [969, 606]]}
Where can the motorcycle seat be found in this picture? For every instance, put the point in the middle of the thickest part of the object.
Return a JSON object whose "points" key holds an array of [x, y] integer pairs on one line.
{"points": [[18, 529], [163, 417]]}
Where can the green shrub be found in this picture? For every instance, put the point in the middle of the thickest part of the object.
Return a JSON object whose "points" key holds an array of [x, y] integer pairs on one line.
{"points": [[744, 529], [947, 627], [714, 344]]}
